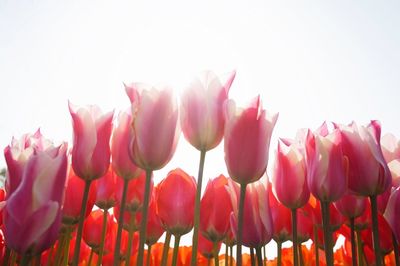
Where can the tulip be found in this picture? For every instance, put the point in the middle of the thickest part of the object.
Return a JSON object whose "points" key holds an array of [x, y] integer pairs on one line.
{"points": [[155, 228], [390, 147], [90, 152], [290, 169], [247, 137], [257, 217], [209, 249], [392, 212], [369, 174], [203, 121], [394, 167], [92, 229], [156, 134], [215, 210], [106, 197], [32, 212]]}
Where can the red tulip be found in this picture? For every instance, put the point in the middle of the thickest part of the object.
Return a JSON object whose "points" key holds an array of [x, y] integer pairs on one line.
{"points": [[385, 236], [73, 199], [206, 247], [155, 125], [390, 147], [202, 110], [121, 139], [305, 223], [257, 219], [326, 166], [281, 219], [92, 228], [135, 192], [84, 250], [368, 172], [290, 169], [247, 136], [155, 228], [2, 204], [392, 213], [32, 213], [175, 202], [91, 149], [215, 209], [351, 205], [106, 190], [127, 218], [336, 219]]}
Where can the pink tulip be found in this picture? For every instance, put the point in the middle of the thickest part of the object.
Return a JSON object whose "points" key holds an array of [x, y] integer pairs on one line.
{"points": [[368, 172], [202, 110], [91, 150], [155, 125], [17, 155], [247, 136], [290, 169], [390, 147], [394, 167], [32, 213], [257, 219], [121, 139], [175, 202], [351, 205], [215, 209], [281, 218], [326, 165], [392, 212], [106, 190]]}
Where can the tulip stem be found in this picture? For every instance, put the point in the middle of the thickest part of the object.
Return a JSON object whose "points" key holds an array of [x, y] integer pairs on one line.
{"points": [[226, 255], [80, 225], [60, 249], [67, 240], [252, 259], [240, 225], [176, 249], [316, 249], [25, 260], [197, 209], [90, 257], [353, 243], [259, 256], [360, 252], [148, 259], [143, 224], [294, 236], [131, 226], [13, 258], [279, 257], [265, 256], [120, 224], [327, 233], [375, 231], [301, 259], [396, 249], [51, 251], [215, 253], [103, 237], [7, 256], [231, 257], [164, 257]]}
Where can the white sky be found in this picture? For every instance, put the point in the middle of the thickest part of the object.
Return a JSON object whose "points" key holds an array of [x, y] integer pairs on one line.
{"points": [[310, 60]]}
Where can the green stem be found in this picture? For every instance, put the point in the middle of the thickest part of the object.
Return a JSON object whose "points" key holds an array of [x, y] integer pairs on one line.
{"points": [[327, 233], [176, 249], [265, 255], [301, 259], [13, 258], [208, 262], [353, 243], [279, 258], [38, 259], [117, 253], [375, 231], [231, 257], [396, 249], [259, 256], [252, 259], [226, 255], [143, 223], [215, 253], [90, 257], [78, 240], [240, 225], [49, 256], [360, 251], [294, 236], [164, 257], [103, 237], [60, 249], [7, 256], [316, 249], [25, 260], [130, 238], [148, 259], [197, 209], [66, 244]]}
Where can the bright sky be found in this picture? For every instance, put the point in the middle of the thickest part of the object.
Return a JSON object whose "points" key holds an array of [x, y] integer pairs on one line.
{"points": [[310, 60]]}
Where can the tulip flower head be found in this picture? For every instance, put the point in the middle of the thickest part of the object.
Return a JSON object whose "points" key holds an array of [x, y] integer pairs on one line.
{"points": [[390, 147], [91, 150], [202, 110], [247, 137], [155, 125]]}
